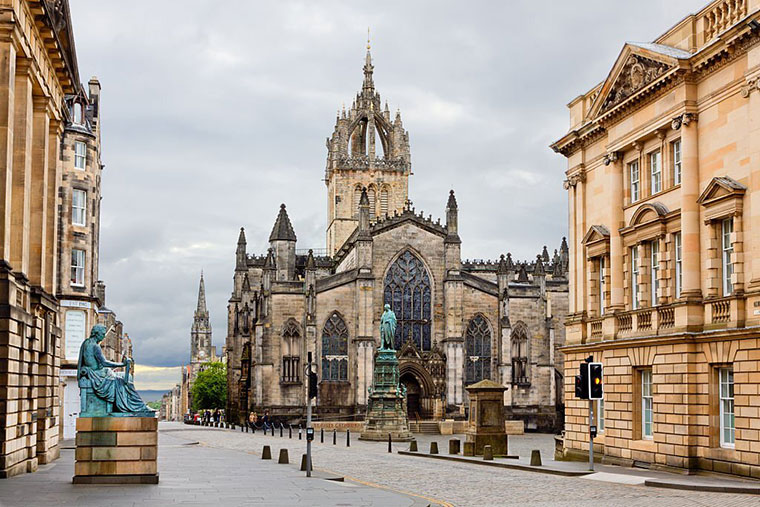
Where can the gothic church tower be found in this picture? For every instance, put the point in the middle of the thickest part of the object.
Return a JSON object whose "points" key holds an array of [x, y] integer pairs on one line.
{"points": [[366, 150], [200, 333]]}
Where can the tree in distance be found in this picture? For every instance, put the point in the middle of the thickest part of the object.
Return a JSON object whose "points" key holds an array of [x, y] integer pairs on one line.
{"points": [[209, 390]]}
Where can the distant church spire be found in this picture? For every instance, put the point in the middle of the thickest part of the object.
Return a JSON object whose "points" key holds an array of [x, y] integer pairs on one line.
{"points": [[200, 332], [201, 308]]}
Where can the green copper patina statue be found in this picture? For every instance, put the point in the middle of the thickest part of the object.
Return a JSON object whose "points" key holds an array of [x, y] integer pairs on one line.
{"points": [[387, 328], [103, 392]]}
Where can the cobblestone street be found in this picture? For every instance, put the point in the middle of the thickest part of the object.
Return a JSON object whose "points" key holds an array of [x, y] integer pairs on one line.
{"points": [[454, 483]]}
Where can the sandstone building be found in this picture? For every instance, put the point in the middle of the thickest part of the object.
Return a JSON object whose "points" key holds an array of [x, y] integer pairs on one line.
{"points": [[663, 181], [38, 70], [458, 322]]}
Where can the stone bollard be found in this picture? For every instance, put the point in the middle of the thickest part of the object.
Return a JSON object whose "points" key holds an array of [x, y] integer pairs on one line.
{"points": [[322, 436], [303, 463], [535, 458], [335, 436], [454, 446], [433, 447], [413, 446], [283, 457], [487, 453], [348, 438], [469, 449], [266, 453]]}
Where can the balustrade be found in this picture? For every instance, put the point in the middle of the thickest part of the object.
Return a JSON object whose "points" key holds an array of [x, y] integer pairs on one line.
{"points": [[722, 16]]}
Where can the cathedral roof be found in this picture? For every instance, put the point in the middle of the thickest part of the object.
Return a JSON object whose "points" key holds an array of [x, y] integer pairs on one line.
{"points": [[282, 230]]}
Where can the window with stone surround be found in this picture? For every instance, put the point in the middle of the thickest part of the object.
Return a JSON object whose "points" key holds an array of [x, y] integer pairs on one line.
{"points": [[335, 349], [520, 347], [675, 154], [357, 199], [77, 267], [654, 270], [80, 155], [602, 285], [647, 404], [600, 415], [408, 290], [727, 250], [384, 201], [372, 195], [634, 277], [678, 264], [597, 246], [727, 421], [291, 352], [633, 171], [78, 207], [477, 344], [77, 109], [655, 171]]}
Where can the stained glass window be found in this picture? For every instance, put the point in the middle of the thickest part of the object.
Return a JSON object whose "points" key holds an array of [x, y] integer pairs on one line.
{"points": [[335, 349], [408, 291], [291, 352], [477, 343]]}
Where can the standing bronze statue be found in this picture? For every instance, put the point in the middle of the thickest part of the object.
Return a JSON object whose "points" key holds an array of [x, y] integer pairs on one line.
{"points": [[387, 329]]}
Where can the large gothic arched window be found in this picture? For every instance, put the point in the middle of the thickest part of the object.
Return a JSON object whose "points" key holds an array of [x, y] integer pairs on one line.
{"points": [[477, 345], [291, 352], [335, 349], [520, 354], [408, 291]]}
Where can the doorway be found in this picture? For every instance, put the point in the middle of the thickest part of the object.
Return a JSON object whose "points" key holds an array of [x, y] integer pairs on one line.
{"points": [[413, 396]]}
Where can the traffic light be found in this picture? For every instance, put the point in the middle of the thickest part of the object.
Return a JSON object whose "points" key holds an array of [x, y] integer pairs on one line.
{"points": [[312, 385], [596, 384], [581, 383]]}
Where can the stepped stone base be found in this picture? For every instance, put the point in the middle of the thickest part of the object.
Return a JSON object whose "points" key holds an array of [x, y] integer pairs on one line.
{"points": [[116, 450], [386, 410]]}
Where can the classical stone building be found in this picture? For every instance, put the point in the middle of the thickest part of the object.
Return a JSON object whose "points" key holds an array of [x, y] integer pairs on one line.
{"points": [[458, 322], [38, 70], [663, 181]]}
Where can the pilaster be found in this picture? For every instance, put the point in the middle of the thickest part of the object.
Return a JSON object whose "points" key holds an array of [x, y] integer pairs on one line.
{"points": [[22, 167], [40, 188]]}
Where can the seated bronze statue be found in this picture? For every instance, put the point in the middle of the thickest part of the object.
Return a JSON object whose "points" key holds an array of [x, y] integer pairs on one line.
{"points": [[103, 392]]}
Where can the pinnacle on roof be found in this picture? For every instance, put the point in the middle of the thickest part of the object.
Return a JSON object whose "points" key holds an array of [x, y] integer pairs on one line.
{"points": [[563, 247], [539, 266], [269, 262], [282, 230], [522, 275], [364, 199], [201, 308], [241, 238], [545, 255], [310, 263], [510, 264], [368, 68], [452, 203], [502, 269]]}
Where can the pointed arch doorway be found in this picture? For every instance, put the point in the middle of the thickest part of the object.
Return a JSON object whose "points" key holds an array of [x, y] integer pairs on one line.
{"points": [[413, 396]]}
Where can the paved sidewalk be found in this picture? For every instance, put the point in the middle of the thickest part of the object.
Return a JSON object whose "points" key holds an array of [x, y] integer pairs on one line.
{"points": [[195, 475]]}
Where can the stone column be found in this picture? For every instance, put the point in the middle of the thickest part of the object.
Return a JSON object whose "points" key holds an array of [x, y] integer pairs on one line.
{"points": [[22, 167], [753, 221], [616, 241], [573, 277], [690, 227], [7, 82], [40, 188]]}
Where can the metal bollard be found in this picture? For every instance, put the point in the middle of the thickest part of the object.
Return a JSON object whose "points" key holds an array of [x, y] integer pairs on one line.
{"points": [[390, 442], [290, 431], [299, 432], [322, 436], [253, 428], [335, 435], [348, 438], [280, 430], [272, 429]]}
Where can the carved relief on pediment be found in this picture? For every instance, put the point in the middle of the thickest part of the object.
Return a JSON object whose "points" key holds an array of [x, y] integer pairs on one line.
{"points": [[637, 73]]}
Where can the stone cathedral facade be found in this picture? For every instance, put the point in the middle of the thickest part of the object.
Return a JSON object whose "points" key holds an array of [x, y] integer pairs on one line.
{"points": [[458, 322]]}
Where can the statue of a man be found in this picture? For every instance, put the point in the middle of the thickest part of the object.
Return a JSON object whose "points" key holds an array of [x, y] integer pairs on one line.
{"points": [[387, 328], [103, 392]]}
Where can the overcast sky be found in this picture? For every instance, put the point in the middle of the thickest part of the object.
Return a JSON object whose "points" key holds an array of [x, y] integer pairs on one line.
{"points": [[213, 113]]}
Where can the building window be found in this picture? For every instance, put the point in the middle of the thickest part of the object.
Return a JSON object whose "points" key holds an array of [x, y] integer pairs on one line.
{"points": [[656, 171], [633, 169], [676, 152], [727, 426], [654, 271], [600, 415], [80, 155], [646, 404], [371, 195], [477, 344], [635, 277], [291, 352], [727, 246], [679, 265], [383, 202], [335, 349], [408, 291], [77, 113], [357, 200], [79, 207], [77, 267], [601, 285], [520, 354]]}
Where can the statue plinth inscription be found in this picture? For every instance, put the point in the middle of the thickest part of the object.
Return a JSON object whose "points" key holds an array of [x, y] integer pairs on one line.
{"points": [[386, 406], [117, 434]]}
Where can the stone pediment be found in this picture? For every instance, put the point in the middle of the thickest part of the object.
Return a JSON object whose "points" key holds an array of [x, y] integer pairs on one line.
{"points": [[648, 213], [637, 67], [719, 188], [596, 233], [409, 351]]}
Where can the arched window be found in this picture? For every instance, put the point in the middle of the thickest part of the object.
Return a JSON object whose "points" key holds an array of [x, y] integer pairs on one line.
{"points": [[371, 193], [335, 349], [477, 344], [357, 199], [384, 202], [520, 354], [408, 291], [291, 352], [77, 113]]}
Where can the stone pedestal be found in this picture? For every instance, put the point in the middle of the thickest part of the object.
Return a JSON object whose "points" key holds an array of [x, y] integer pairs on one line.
{"points": [[486, 423], [386, 405], [116, 450]]}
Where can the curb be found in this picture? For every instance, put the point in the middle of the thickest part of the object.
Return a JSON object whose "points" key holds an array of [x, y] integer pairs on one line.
{"points": [[745, 490], [514, 466]]}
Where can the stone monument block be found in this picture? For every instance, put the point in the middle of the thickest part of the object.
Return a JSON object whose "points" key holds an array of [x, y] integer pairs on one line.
{"points": [[116, 450], [486, 423]]}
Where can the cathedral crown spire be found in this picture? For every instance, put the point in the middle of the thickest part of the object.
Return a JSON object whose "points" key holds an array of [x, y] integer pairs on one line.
{"points": [[369, 84]]}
